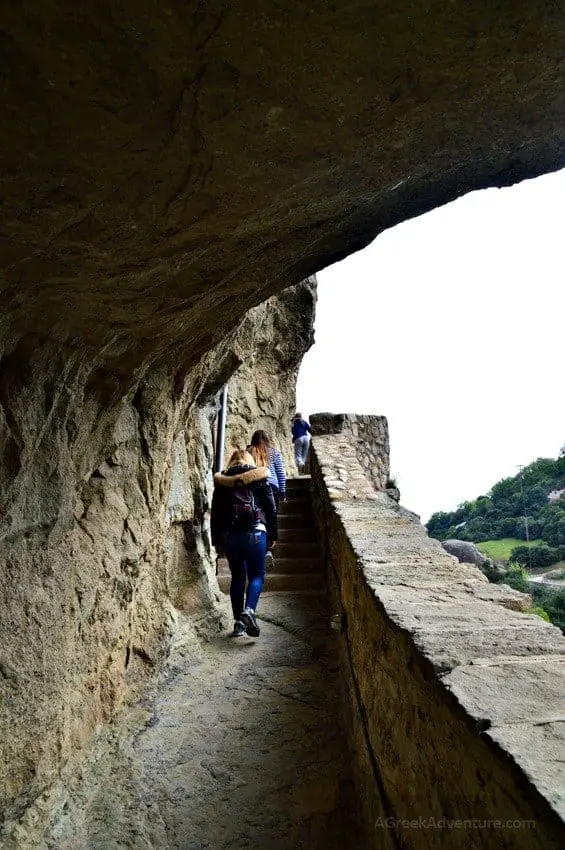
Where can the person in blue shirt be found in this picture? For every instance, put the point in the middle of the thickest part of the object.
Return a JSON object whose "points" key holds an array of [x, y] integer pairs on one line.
{"points": [[301, 439]]}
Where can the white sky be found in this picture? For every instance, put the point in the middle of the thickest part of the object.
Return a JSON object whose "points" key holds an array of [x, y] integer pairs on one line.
{"points": [[453, 326]]}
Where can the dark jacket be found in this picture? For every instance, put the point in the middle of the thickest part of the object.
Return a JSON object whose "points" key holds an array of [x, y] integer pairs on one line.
{"points": [[299, 429], [256, 478]]}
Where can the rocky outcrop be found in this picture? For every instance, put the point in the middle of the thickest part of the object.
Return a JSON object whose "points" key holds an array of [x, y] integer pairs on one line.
{"points": [[262, 392], [167, 167], [466, 553]]}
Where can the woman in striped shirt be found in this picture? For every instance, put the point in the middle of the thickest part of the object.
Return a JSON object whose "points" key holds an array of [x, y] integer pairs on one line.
{"points": [[266, 455]]}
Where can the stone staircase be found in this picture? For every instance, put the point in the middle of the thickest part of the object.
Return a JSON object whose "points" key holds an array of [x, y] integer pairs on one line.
{"points": [[297, 563]]}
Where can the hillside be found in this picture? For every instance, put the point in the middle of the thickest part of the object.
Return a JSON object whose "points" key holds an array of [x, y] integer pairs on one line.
{"points": [[501, 549], [527, 505]]}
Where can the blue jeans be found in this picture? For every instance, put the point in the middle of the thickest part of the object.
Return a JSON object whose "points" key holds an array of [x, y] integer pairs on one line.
{"points": [[246, 552], [301, 446]]}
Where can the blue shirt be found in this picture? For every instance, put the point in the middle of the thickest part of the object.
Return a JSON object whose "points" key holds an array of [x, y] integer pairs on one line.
{"points": [[299, 428]]}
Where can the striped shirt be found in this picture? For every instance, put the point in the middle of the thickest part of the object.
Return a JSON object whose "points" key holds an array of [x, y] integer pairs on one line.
{"points": [[277, 477]]}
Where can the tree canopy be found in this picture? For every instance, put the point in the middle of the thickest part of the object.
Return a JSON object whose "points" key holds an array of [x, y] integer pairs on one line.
{"points": [[509, 506]]}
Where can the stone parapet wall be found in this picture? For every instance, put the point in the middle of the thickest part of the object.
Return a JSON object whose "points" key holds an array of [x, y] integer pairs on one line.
{"points": [[454, 701], [369, 437]]}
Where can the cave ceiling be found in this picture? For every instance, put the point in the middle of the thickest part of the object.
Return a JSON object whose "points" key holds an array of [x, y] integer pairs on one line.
{"points": [[165, 165]]}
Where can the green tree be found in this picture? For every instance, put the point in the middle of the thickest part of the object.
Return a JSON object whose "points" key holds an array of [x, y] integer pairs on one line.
{"points": [[537, 556], [552, 602], [517, 577], [552, 516]]}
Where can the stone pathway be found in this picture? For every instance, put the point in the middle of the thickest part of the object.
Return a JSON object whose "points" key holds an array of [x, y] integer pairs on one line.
{"points": [[240, 746]]}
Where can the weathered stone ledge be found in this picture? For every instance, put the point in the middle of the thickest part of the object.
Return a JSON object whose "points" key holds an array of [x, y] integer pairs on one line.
{"points": [[366, 436], [461, 692]]}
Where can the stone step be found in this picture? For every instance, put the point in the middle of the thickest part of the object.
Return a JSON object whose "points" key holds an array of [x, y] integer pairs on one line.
{"points": [[293, 549], [306, 534], [301, 520], [321, 591], [279, 582], [294, 506], [298, 484], [287, 566]]}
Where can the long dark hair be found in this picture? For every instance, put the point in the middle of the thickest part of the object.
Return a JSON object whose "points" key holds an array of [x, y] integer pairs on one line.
{"points": [[260, 445]]}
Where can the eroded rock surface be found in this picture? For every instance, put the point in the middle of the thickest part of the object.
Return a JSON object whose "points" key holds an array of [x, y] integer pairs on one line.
{"points": [[262, 392], [166, 166], [86, 587]]}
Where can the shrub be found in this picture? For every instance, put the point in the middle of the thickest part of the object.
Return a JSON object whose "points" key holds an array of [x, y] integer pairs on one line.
{"points": [[536, 556], [540, 612], [493, 573], [553, 602], [517, 578]]}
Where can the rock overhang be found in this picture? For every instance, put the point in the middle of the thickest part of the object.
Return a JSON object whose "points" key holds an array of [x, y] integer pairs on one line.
{"points": [[165, 167]]}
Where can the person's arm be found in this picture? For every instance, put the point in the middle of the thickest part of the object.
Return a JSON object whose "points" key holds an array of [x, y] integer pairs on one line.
{"points": [[267, 503], [308, 427], [281, 475]]}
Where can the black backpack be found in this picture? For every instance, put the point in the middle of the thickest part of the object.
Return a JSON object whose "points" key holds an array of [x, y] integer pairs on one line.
{"points": [[243, 512]]}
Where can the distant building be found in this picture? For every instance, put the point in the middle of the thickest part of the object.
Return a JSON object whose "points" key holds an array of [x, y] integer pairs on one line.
{"points": [[555, 494]]}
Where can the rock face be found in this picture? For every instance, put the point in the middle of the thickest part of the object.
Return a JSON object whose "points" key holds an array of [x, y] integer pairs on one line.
{"points": [[165, 168], [466, 553], [262, 393], [88, 601], [84, 588]]}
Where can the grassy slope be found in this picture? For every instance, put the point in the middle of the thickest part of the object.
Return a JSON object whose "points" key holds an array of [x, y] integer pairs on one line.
{"points": [[499, 550]]}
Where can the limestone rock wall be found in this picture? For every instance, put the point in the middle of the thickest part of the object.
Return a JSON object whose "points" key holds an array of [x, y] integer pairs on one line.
{"points": [[262, 392], [455, 696], [83, 591], [191, 562], [105, 551]]}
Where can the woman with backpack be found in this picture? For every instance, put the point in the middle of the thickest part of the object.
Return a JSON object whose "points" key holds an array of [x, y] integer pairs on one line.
{"points": [[266, 455], [243, 524]]}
